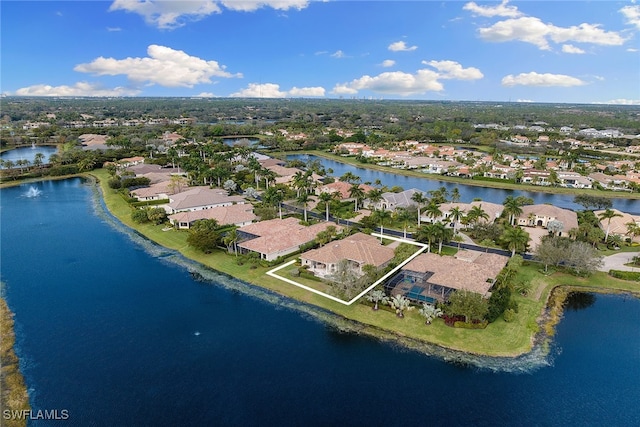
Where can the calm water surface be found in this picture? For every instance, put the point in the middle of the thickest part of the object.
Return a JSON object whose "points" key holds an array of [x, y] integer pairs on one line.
{"points": [[118, 332], [29, 153], [467, 192]]}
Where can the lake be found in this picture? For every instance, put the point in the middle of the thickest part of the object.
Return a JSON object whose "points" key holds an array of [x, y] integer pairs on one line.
{"points": [[118, 332], [29, 153], [467, 192]]}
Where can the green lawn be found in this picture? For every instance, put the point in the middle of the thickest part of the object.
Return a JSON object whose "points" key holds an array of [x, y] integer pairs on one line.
{"points": [[498, 339]]}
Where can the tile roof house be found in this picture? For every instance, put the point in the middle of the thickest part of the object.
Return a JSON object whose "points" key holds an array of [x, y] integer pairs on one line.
{"points": [[342, 188], [618, 225], [431, 277], [392, 201], [541, 215], [198, 198], [278, 237], [157, 191], [359, 250], [239, 215]]}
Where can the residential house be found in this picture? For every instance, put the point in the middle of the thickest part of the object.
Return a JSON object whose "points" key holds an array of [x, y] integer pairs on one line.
{"points": [[278, 237], [392, 201], [430, 277], [618, 224], [541, 215], [239, 215], [199, 198], [341, 188], [359, 250], [610, 182]]}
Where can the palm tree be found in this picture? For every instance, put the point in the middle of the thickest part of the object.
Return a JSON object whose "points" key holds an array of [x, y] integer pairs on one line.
{"points": [[426, 233], [633, 229], [455, 215], [403, 215], [38, 160], [374, 196], [455, 195], [516, 239], [512, 207], [377, 297], [327, 198], [231, 240], [381, 216], [441, 233], [350, 178], [420, 199], [433, 210], [476, 214], [304, 199], [608, 214], [356, 192], [275, 196], [430, 312], [400, 303]]}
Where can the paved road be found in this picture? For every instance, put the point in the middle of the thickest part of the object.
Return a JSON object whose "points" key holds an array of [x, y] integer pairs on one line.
{"points": [[618, 261]]}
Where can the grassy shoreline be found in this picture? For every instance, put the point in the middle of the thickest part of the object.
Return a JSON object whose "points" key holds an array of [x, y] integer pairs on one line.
{"points": [[456, 180], [13, 395], [499, 339]]}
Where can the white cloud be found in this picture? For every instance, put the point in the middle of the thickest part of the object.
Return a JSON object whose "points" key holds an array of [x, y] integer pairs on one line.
{"points": [[113, 29], [388, 63], [252, 5], [79, 89], [632, 49], [393, 83], [205, 95], [338, 54], [272, 90], [489, 11], [401, 47], [533, 30], [405, 84], [632, 13], [164, 66], [536, 79], [523, 100], [619, 101], [306, 91], [167, 15], [569, 48], [454, 70]]}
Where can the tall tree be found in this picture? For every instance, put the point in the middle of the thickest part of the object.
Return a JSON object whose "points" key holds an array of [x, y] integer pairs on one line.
{"points": [[516, 239], [608, 214], [420, 200], [356, 193], [469, 304], [327, 198], [513, 208]]}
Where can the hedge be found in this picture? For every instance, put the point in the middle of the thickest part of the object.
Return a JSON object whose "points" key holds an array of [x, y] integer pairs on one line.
{"points": [[634, 276]]}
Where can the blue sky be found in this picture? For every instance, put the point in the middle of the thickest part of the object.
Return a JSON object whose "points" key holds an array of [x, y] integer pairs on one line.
{"points": [[528, 51]]}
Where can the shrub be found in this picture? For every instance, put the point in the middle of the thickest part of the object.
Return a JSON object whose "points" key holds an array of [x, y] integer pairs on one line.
{"points": [[633, 276], [473, 325], [114, 183], [509, 315], [139, 216]]}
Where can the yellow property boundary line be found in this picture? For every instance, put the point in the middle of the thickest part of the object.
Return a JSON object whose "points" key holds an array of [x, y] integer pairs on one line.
{"points": [[421, 248]]}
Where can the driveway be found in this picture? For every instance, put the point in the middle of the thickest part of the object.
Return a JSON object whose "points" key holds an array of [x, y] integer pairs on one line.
{"points": [[618, 261]]}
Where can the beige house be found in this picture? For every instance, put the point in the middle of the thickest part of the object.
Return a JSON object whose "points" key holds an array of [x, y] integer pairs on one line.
{"points": [[359, 250], [430, 277], [239, 215], [618, 225], [493, 210], [199, 198], [541, 215], [278, 237]]}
